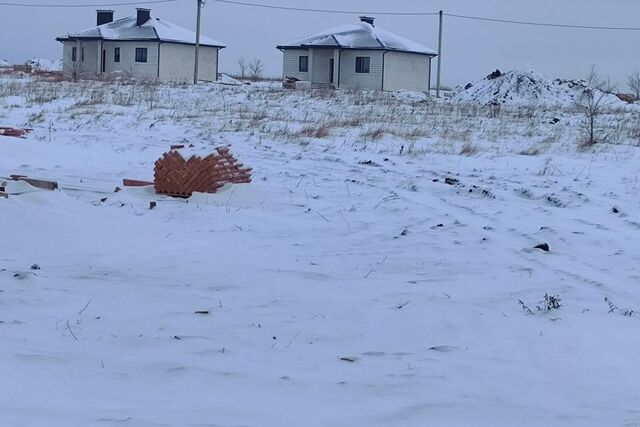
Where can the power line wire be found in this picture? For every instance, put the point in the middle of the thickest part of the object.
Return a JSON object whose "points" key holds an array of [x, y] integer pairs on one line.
{"points": [[51, 5], [302, 9], [542, 24], [452, 15], [335, 11]]}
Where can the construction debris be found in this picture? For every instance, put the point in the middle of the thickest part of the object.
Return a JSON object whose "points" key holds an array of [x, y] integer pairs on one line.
{"points": [[15, 132], [40, 183], [178, 176], [134, 183]]}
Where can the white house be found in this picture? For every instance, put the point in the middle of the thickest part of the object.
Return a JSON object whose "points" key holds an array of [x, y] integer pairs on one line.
{"points": [[359, 56], [140, 46]]}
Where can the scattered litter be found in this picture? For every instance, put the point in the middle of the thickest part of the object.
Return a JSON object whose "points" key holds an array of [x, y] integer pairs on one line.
{"points": [[15, 132], [451, 181], [443, 348], [134, 183], [542, 246], [39, 183]]}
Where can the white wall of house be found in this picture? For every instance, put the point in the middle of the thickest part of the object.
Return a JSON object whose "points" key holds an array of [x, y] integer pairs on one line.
{"points": [[291, 63], [321, 65], [349, 79], [177, 60], [88, 66], [409, 71], [128, 64]]}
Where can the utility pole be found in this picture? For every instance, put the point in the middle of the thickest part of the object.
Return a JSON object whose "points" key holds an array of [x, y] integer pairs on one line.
{"points": [[195, 67], [439, 56]]}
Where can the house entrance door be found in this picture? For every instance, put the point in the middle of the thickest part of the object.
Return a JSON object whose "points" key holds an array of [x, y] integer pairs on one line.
{"points": [[331, 64], [104, 60]]}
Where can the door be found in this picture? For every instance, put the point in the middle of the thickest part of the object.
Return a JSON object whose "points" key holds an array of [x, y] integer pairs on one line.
{"points": [[104, 60], [331, 64]]}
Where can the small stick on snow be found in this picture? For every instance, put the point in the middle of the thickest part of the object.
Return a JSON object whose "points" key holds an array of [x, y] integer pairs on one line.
{"points": [[71, 331], [84, 308], [345, 220], [322, 216]]}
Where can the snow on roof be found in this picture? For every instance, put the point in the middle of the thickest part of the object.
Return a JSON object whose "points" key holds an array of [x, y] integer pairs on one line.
{"points": [[153, 29], [359, 35]]}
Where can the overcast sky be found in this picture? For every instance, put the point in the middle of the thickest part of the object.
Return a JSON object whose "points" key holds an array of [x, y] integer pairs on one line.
{"points": [[470, 51]]}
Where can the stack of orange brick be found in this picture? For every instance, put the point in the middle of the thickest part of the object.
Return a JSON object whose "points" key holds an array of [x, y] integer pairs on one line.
{"points": [[180, 177]]}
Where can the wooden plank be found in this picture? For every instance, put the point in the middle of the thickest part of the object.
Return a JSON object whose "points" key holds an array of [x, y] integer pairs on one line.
{"points": [[40, 183], [135, 183]]}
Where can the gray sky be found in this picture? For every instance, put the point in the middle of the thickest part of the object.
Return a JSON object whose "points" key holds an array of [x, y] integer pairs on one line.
{"points": [[470, 51]]}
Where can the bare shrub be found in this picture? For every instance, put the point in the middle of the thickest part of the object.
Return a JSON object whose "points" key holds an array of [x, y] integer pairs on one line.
{"points": [[256, 68], [633, 82], [591, 105], [243, 67]]}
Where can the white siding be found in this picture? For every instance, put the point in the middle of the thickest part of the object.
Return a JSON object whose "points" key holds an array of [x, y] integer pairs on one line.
{"points": [[407, 71], [88, 67], [177, 61], [92, 64], [349, 79], [290, 67], [320, 65], [128, 64]]}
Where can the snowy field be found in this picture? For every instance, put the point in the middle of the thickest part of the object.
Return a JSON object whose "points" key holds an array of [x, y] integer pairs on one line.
{"points": [[379, 271]]}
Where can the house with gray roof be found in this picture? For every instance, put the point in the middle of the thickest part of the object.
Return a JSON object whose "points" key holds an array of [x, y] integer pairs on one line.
{"points": [[358, 56], [141, 47]]}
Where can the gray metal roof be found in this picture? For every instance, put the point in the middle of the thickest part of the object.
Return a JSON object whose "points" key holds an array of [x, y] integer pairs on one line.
{"points": [[359, 35], [153, 29]]}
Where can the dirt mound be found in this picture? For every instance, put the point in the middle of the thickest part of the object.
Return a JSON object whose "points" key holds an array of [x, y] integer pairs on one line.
{"points": [[526, 87]]}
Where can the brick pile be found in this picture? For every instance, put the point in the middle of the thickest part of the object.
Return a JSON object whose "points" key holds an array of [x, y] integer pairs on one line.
{"points": [[179, 177]]}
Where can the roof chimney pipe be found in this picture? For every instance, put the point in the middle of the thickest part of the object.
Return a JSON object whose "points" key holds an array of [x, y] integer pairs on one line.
{"points": [[142, 16], [104, 16], [368, 19]]}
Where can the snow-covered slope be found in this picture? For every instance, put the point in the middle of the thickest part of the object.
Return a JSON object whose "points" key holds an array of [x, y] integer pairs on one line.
{"points": [[353, 283], [43, 64]]}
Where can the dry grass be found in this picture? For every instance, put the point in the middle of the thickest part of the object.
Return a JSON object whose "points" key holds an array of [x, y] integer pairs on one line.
{"points": [[314, 131], [534, 150], [469, 149], [357, 117]]}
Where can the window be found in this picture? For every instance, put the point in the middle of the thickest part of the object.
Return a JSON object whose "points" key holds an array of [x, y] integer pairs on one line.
{"points": [[116, 54], [141, 54], [303, 64], [363, 64], [74, 54], [82, 54]]}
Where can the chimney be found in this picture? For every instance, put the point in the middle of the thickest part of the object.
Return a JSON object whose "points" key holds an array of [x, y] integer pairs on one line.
{"points": [[142, 16], [104, 16], [368, 19]]}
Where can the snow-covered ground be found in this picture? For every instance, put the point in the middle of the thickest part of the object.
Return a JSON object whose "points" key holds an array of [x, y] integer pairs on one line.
{"points": [[371, 275]]}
